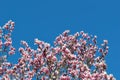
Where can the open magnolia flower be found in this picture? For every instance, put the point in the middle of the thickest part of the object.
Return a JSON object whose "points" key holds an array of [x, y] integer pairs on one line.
{"points": [[73, 57]]}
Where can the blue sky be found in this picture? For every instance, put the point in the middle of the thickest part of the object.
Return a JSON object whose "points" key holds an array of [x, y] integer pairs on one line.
{"points": [[46, 19]]}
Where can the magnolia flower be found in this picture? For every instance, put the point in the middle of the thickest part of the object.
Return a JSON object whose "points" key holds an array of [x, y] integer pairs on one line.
{"points": [[63, 77], [45, 70]]}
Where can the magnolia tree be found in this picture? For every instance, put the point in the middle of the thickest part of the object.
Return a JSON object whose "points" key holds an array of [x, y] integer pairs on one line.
{"points": [[73, 57]]}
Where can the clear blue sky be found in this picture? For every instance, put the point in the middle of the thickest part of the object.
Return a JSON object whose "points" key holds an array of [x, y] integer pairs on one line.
{"points": [[46, 19]]}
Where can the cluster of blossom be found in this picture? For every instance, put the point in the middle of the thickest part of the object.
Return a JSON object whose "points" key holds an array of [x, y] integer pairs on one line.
{"points": [[6, 47], [73, 57]]}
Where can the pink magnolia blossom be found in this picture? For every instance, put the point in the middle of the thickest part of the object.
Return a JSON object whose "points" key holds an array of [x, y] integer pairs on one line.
{"points": [[64, 77], [71, 58]]}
